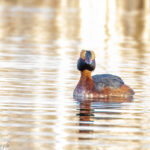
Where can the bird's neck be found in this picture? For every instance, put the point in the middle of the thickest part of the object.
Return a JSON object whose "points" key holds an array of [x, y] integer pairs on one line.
{"points": [[86, 80], [86, 75]]}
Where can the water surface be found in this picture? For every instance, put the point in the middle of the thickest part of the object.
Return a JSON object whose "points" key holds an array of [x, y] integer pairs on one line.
{"points": [[40, 43]]}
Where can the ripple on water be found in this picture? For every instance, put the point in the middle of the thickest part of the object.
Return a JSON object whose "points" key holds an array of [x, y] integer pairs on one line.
{"points": [[39, 47]]}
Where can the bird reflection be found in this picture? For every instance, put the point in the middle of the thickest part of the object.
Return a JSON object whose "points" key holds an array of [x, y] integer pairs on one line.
{"points": [[87, 114]]}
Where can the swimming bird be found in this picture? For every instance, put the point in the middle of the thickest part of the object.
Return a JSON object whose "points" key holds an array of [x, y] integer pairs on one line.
{"points": [[98, 86]]}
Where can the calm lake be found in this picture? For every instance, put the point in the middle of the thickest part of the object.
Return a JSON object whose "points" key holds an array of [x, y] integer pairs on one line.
{"points": [[40, 43]]}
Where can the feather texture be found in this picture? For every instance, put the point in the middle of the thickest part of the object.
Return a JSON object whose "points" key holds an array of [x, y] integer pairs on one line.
{"points": [[107, 80]]}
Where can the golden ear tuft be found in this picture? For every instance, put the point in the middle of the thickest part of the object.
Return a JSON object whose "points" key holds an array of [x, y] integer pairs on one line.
{"points": [[93, 55], [82, 54]]}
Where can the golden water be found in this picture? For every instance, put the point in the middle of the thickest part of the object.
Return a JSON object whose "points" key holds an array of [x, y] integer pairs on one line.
{"points": [[40, 43]]}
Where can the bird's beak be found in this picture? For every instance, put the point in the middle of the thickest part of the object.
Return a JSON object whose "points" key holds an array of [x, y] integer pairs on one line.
{"points": [[88, 59]]}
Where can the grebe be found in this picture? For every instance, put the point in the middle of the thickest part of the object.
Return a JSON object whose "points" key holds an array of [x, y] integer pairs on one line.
{"points": [[98, 86]]}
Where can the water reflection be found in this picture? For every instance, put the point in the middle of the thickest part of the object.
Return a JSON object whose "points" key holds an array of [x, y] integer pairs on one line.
{"points": [[96, 117]]}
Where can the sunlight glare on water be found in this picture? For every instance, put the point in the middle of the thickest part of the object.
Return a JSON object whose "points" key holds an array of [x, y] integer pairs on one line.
{"points": [[40, 43]]}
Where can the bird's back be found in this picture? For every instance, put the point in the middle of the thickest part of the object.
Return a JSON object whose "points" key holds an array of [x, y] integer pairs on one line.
{"points": [[107, 80]]}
